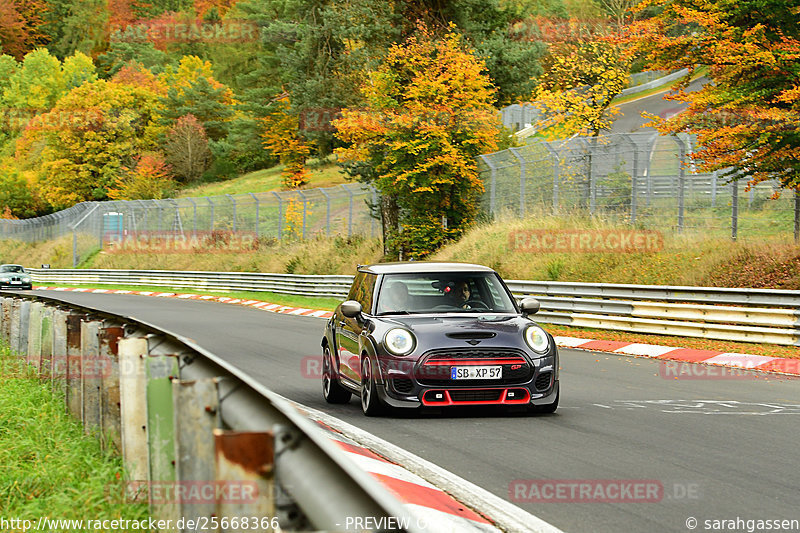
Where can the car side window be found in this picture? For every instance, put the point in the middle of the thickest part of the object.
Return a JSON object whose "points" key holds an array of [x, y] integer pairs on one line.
{"points": [[362, 290]]}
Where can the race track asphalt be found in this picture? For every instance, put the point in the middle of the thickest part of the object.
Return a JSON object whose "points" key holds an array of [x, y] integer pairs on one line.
{"points": [[721, 448]]}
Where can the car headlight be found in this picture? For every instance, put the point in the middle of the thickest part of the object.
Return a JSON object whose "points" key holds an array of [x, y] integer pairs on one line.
{"points": [[26, 279], [536, 339], [399, 341]]}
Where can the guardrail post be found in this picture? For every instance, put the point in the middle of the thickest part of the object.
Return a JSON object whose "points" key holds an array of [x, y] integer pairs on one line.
{"points": [[247, 458], [24, 326], [133, 407], [13, 338], [5, 319], [58, 373], [46, 343], [73, 369], [196, 408], [90, 382], [34, 351], [108, 370], [160, 370]]}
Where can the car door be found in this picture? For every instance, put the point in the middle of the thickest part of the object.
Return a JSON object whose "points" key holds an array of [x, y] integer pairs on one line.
{"points": [[348, 330]]}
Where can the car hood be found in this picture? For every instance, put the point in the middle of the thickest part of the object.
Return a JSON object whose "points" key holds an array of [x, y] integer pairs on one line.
{"points": [[454, 330]]}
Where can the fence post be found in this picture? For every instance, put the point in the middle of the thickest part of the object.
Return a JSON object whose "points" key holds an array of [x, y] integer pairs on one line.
{"points": [[257, 205], [280, 213], [556, 170], [492, 183], [350, 211], [714, 189], [681, 182], [303, 196], [194, 216], [233, 201], [522, 176], [327, 211], [212, 204], [372, 219], [797, 215], [735, 208]]}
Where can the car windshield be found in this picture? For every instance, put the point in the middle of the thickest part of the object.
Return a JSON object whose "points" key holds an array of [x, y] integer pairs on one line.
{"points": [[11, 268], [441, 292]]}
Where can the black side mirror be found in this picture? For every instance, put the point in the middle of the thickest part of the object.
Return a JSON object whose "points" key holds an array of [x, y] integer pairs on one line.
{"points": [[351, 309], [529, 306]]}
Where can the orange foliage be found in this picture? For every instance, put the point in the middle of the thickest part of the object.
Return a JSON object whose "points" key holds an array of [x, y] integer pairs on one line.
{"points": [[282, 138]]}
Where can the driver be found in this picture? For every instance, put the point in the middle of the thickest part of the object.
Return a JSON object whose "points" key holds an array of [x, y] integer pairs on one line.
{"points": [[396, 297], [459, 294]]}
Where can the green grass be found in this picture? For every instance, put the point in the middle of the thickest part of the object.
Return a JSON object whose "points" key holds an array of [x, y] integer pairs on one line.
{"points": [[48, 466], [327, 304], [323, 175]]}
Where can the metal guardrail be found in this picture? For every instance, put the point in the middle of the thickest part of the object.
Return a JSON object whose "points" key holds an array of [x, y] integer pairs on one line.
{"points": [[185, 421], [751, 315]]}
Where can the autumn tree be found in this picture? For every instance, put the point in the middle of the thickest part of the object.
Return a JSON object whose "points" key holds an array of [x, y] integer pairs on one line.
{"points": [[186, 149], [149, 177], [428, 115], [747, 119], [20, 26], [83, 143], [282, 138], [578, 85]]}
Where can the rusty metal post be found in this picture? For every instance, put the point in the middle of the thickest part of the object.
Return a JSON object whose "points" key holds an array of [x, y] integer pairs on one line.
{"points": [[90, 382], [196, 408], [34, 351], [133, 407], [247, 458], [107, 369], [72, 372], [46, 343]]}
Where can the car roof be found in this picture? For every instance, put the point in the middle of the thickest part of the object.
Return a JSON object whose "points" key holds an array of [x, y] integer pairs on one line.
{"points": [[10, 265], [419, 267]]}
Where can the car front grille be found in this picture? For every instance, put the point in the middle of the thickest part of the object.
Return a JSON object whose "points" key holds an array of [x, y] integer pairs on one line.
{"points": [[485, 395], [543, 380], [434, 368]]}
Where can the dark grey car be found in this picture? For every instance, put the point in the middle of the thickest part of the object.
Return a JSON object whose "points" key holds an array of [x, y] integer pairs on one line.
{"points": [[424, 334]]}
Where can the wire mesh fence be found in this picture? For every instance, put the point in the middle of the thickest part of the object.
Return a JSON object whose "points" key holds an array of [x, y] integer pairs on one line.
{"points": [[642, 179], [165, 224]]}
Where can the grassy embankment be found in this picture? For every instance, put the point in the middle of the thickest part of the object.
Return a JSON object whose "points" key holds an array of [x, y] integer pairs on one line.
{"points": [[48, 466]]}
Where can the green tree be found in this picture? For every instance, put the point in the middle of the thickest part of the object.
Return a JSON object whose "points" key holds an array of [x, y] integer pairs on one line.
{"points": [[428, 115]]}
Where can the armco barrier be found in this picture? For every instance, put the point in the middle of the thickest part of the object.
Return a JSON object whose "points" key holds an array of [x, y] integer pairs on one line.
{"points": [[751, 315], [199, 438]]}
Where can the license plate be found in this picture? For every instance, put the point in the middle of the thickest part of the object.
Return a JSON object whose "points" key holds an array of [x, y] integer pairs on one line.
{"points": [[476, 372], [15, 282]]}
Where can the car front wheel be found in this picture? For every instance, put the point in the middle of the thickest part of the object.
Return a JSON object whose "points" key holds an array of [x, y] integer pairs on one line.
{"points": [[370, 403], [331, 388]]}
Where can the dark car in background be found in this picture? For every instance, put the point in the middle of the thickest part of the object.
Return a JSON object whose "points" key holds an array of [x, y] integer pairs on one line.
{"points": [[14, 277], [424, 334]]}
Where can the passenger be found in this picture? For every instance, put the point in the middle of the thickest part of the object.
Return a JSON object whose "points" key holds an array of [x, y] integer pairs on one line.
{"points": [[396, 298]]}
